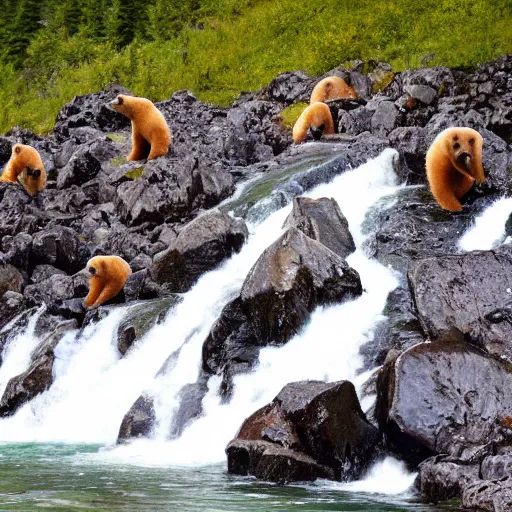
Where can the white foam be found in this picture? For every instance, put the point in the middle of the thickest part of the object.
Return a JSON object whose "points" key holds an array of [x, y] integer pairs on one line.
{"points": [[388, 476], [489, 227], [16, 353]]}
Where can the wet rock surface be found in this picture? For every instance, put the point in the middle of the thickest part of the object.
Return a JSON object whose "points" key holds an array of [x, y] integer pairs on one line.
{"points": [[200, 246], [138, 421], [322, 220], [447, 397], [310, 430]]}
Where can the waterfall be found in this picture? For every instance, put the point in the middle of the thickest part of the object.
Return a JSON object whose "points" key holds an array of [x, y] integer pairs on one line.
{"points": [[94, 387], [489, 227]]}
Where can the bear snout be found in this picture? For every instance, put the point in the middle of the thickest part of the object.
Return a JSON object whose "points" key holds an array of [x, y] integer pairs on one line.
{"points": [[464, 160], [317, 132]]}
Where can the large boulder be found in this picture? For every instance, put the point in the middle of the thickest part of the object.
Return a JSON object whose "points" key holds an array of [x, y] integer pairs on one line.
{"points": [[199, 247], [322, 421], [440, 479], [444, 398], [269, 462], [322, 220], [466, 295], [170, 189], [293, 276], [489, 496], [290, 278]]}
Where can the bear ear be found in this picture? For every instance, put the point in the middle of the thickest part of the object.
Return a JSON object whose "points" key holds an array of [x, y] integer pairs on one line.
{"points": [[17, 149]]}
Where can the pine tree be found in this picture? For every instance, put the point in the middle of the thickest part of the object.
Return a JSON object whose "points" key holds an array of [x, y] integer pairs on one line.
{"points": [[27, 22]]}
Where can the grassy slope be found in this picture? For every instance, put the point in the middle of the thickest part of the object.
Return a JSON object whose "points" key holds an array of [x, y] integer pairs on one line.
{"points": [[242, 48]]}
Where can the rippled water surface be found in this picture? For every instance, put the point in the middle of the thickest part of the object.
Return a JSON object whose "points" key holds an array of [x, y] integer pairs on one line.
{"points": [[69, 478]]}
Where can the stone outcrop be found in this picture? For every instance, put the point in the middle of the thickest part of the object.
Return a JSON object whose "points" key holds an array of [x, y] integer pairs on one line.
{"points": [[199, 247], [310, 430]]}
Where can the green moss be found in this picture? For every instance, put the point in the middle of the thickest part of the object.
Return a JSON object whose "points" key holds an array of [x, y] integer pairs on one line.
{"points": [[290, 114], [208, 58], [382, 81], [135, 173], [117, 161], [117, 137]]}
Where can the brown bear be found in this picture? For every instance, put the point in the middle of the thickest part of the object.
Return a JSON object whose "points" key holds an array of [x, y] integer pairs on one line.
{"points": [[316, 116], [332, 88], [151, 135], [454, 163], [107, 275], [25, 166]]}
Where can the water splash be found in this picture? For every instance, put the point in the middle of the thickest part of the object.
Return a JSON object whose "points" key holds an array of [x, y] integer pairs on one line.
{"points": [[489, 227]]}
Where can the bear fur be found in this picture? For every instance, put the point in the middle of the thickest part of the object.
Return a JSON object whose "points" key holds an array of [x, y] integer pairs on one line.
{"points": [[454, 163], [25, 166], [332, 88], [316, 116], [107, 276], [151, 135]]}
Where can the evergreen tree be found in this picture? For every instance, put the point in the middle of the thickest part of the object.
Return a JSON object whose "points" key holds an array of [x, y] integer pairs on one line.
{"points": [[27, 21]]}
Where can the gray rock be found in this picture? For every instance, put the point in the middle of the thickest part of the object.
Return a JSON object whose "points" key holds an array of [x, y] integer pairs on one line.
{"points": [[491, 496], [138, 421], [423, 93], [451, 300], [321, 421], [440, 480], [443, 398], [323, 221], [385, 119], [200, 246], [291, 277]]}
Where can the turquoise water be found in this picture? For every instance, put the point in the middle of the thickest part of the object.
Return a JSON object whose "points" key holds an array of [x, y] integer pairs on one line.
{"points": [[70, 478]]}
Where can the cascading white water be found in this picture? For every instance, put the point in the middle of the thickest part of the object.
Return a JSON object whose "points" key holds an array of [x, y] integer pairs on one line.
{"points": [[17, 350], [93, 387], [489, 227], [326, 349]]}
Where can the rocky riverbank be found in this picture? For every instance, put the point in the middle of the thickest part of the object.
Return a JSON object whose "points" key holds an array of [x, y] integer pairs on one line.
{"points": [[442, 406]]}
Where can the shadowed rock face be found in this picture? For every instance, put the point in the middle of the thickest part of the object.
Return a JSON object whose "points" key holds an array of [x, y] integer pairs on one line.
{"points": [[444, 398], [310, 430], [138, 421]]}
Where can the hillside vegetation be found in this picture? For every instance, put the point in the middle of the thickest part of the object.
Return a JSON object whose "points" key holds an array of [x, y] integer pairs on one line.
{"points": [[52, 50]]}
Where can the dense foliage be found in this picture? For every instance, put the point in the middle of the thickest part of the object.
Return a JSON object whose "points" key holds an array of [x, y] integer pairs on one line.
{"points": [[51, 50]]}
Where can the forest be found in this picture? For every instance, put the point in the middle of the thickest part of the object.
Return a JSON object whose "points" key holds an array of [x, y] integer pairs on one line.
{"points": [[53, 50]]}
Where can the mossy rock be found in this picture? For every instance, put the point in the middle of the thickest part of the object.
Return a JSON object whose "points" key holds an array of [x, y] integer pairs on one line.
{"points": [[117, 137], [117, 161], [290, 114], [140, 318], [135, 173]]}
